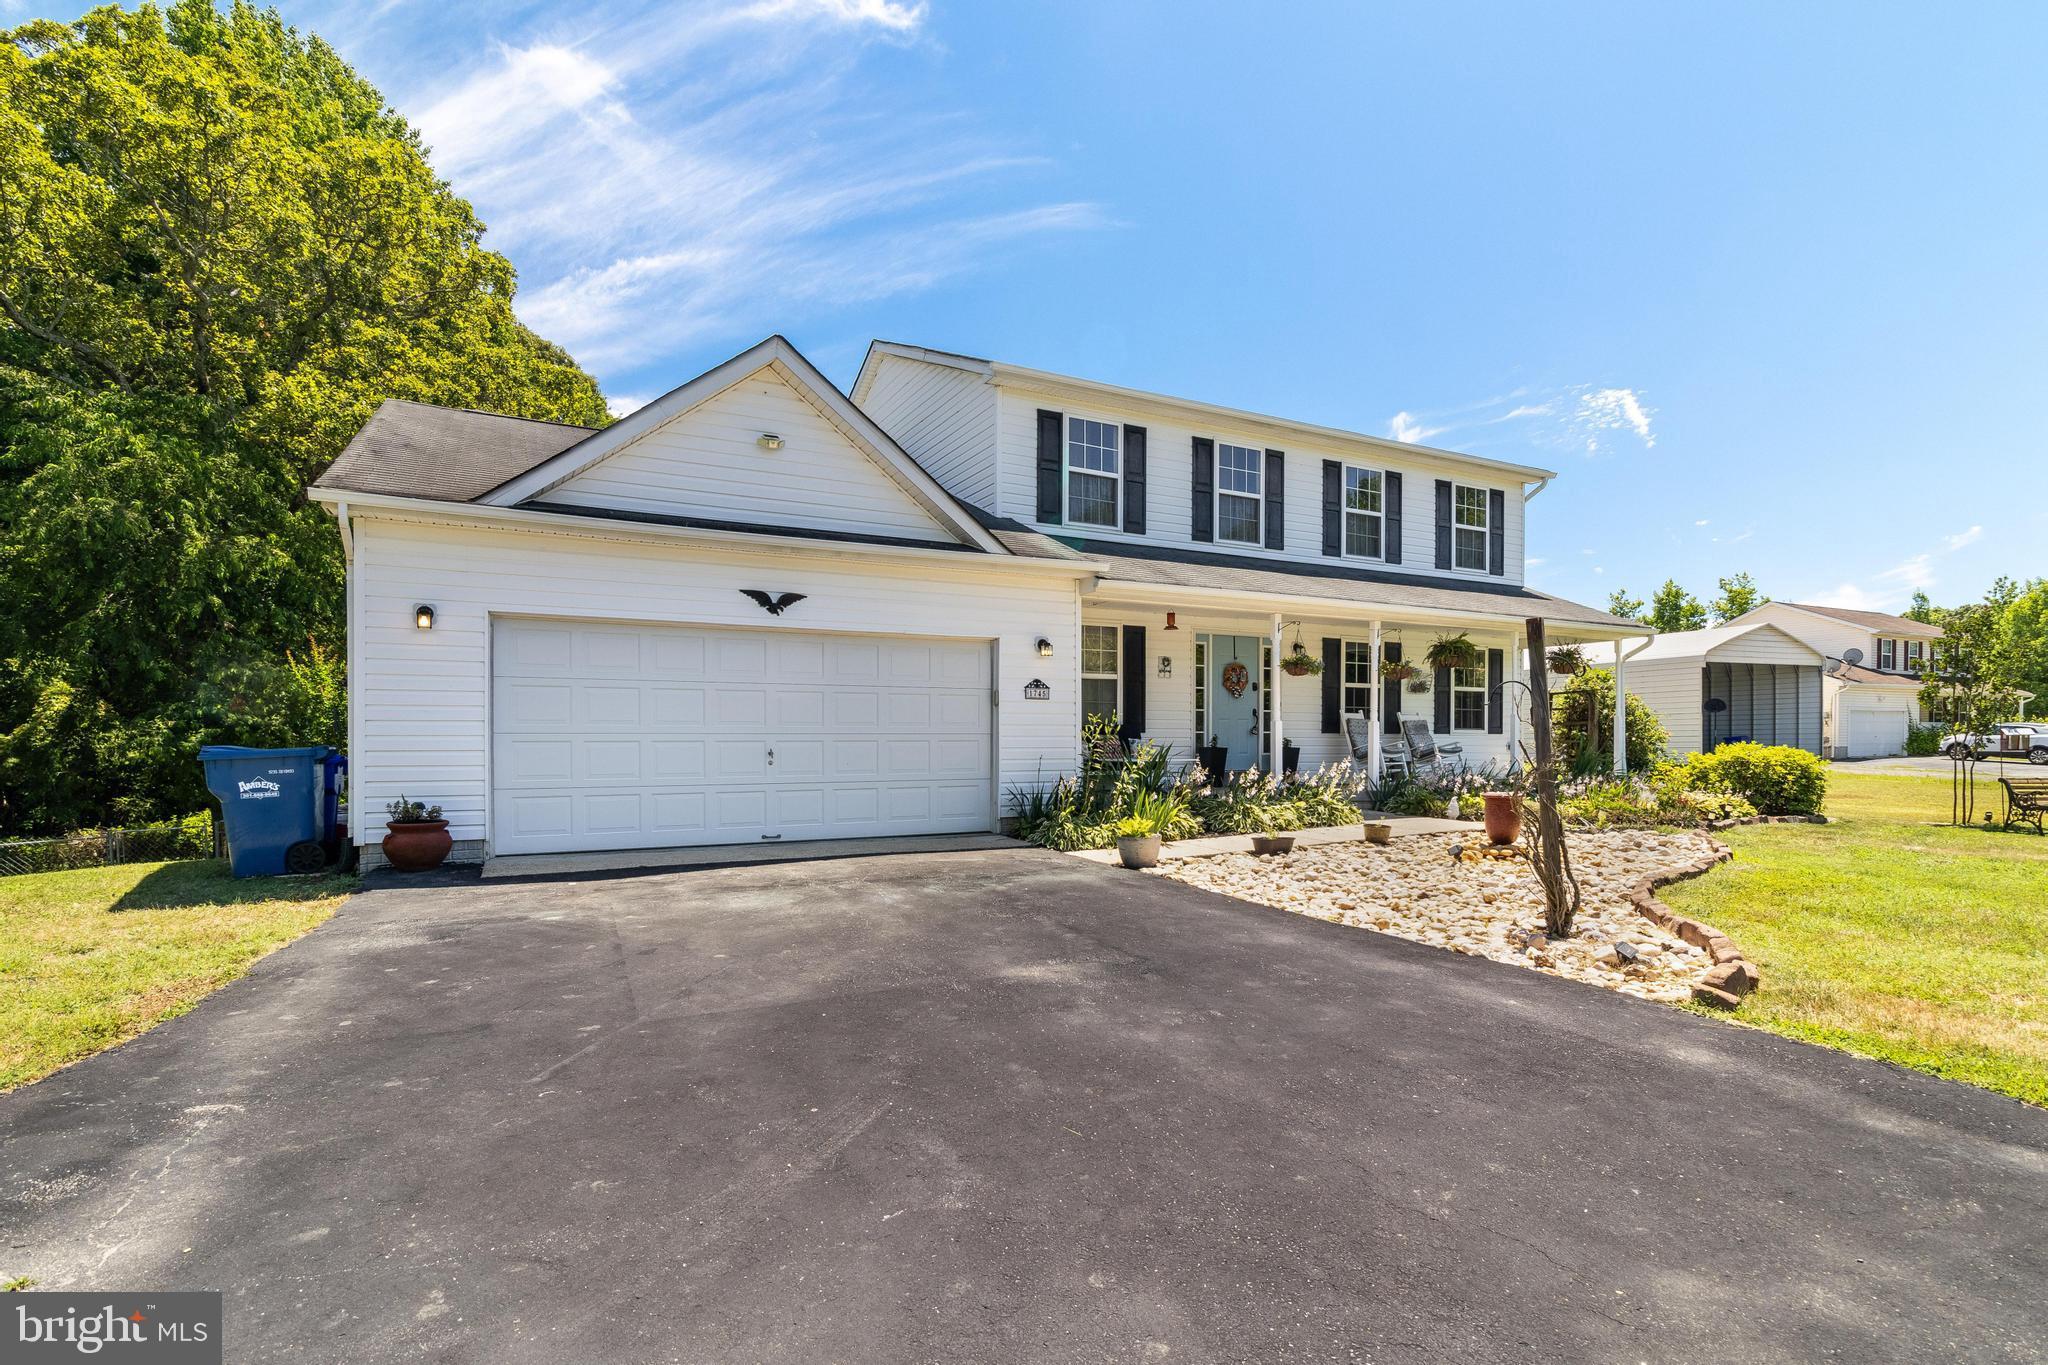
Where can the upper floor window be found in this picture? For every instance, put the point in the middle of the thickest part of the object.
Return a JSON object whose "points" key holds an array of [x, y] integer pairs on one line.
{"points": [[1468, 699], [1099, 673], [1094, 461], [1240, 494], [1915, 655], [1887, 654], [1468, 528], [1364, 513]]}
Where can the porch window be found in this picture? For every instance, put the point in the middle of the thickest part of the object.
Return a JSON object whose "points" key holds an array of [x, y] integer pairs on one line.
{"points": [[1240, 493], [1888, 655], [1099, 690], [1363, 513], [1468, 699], [1094, 461], [1469, 528], [1357, 677]]}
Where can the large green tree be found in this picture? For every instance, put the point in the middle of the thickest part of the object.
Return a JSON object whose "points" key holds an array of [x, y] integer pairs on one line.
{"points": [[1739, 593], [219, 249], [1672, 608]]}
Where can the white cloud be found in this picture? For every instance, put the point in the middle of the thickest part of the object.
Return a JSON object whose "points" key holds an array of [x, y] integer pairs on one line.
{"points": [[1406, 427], [1890, 589], [1605, 410], [900, 18], [1957, 541], [626, 404], [1534, 560], [1701, 522]]}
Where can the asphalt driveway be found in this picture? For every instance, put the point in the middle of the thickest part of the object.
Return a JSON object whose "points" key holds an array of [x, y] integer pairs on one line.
{"points": [[1006, 1106]]}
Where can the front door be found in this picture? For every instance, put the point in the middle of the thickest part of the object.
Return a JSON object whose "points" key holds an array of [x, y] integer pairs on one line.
{"points": [[1235, 686]]}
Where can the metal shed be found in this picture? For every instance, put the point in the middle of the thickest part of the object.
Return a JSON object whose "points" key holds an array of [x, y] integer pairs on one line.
{"points": [[1767, 686]]}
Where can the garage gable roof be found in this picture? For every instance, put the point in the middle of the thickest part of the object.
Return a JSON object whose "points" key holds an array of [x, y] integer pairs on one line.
{"points": [[629, 449], [1720, 641], [416, 450]]}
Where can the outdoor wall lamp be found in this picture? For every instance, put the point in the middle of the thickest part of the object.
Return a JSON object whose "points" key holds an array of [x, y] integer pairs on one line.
{"points": [[1044, 648], [1169, 622], [768, 440], [423, 616]]}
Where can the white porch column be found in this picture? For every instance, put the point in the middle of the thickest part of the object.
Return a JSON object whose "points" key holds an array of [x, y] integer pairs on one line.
{"points": [[1373, 759], [1511, 701], [1620, 715], [1273, 703]]}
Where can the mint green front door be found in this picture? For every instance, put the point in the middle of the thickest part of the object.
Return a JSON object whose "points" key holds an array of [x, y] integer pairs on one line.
{"points": [[1234, 720]]}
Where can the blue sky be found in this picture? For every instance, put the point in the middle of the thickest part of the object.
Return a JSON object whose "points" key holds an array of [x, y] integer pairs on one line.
{"points": [[1767, 284]]}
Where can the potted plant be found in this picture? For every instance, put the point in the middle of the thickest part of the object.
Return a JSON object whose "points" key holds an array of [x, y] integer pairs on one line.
{"points": [[1290, 756], [1568, 660], [1418, 686], [1215, 760], [1137, 842], [419, 837], [1300, 663], [1453, 651], [1267, 845], [1503, 817], [1396, 670]]}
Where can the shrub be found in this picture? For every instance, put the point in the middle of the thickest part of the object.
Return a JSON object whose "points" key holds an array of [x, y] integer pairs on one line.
{"points": [[1616, 803], [1113, 787], [1774, 778], [1578, 734], [1429, 793], [1923, 741]]}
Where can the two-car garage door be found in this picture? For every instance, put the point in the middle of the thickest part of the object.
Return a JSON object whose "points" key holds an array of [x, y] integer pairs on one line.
{"points": [[618, 736]]}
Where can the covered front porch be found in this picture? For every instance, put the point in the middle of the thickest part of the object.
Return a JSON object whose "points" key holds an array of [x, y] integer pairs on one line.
{"points": [[1191, 668]]}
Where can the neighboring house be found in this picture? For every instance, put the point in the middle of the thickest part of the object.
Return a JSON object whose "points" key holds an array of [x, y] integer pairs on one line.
{"points": [[757, 610], [1871, 691], [1748, 680]]}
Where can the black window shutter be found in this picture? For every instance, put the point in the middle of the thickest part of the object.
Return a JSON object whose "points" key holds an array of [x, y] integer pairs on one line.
{"points": [[1443, 523], [1134, 480], [1443, 701], [1390, 693], [1497, 533], [1132, 666], [1205, 489], [1333, 508], [1333, 685], [1392, 503], [1276, 500], [1496, 663], [1052, 457]]}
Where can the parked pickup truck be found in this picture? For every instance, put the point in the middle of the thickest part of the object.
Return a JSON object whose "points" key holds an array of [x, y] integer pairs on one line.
{"points": [[2011, 739]]}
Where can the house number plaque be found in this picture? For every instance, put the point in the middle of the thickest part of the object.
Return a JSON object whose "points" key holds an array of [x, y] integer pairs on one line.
{"points": [[1036, 690]]}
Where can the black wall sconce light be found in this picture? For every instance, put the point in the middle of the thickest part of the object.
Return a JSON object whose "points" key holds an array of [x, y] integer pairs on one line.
{"points": [[423, 616], [1044, 648]]}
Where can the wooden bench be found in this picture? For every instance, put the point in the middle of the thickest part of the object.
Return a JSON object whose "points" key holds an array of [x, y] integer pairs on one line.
{"points": [[2026, 801]]}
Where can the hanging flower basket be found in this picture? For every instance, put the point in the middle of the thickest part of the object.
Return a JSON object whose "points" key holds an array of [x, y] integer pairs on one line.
{"points": [[1418, 686], [1568, 660], [1396, 670], [1453, 651], [1301, 664]]}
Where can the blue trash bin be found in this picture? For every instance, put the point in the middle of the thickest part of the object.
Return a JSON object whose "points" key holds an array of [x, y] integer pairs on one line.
{"points": [[273, 803]]}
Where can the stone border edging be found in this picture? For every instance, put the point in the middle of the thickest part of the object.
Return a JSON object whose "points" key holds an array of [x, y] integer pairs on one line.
{"points": [[1732, 976], [1768, 820]]}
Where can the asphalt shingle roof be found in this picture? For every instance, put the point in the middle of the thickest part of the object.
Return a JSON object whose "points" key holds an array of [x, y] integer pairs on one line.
{"points": [[415, 450], [1883, 622]]}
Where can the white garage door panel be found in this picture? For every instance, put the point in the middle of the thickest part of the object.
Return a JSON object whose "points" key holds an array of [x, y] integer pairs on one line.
{"points": [[1876, 732], [634, 737]]}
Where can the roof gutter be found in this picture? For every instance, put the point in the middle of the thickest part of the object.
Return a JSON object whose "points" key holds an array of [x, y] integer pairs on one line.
{"points": [[1137, 592], [593, 528]]}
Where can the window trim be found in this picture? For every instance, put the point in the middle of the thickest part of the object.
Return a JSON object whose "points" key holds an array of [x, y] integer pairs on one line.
{"points": [[1480, 688], [1887, 655], [1219, 493], [1348, 512], [1485, 526], [1916, 654], [1344, 683], [1067, 471], [1115, 676]]}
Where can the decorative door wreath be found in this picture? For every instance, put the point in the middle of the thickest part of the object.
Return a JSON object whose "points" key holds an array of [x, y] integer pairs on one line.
{"points": [[1236, 677]]}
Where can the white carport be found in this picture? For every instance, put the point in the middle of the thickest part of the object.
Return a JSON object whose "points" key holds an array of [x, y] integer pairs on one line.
{"points": [[1731, 682]]}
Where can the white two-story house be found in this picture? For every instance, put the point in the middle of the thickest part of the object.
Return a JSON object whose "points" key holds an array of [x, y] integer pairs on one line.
{"points": [[760, 609], [1870, 685]]}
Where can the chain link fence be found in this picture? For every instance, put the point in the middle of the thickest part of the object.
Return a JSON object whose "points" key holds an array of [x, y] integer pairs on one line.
{"points": [[196, 836]]}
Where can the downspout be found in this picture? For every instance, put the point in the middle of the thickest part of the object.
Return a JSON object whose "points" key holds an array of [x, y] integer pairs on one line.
{"points": [[1621, 704], [1528, 495], [348, 540]]}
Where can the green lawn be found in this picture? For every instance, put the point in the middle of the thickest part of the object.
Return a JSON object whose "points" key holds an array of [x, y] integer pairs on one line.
{"points": [[1890, 934], [91, 958]]}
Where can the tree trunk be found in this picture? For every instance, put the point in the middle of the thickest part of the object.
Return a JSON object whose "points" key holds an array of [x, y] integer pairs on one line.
{"points": [[1547, 851]]}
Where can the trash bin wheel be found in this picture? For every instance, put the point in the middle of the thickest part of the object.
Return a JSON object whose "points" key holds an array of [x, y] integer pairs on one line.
{"points": [[305, 856]]}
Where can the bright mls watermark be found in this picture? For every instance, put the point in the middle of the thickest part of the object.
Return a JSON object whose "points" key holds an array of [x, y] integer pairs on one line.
{"points": [[182, 1328]]}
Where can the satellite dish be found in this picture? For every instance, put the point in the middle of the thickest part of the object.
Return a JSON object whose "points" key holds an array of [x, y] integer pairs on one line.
{"points": [[1852, 656], [1831, 667]]}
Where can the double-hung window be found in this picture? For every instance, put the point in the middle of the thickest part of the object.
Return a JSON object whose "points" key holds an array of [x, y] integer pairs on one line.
{"points": [[1468, 528], [1099, 673], [1357, 677], [1887, 655], [1094, 463], [1364, 513], [1468, 699], [1240, 493], [1915, 656]]}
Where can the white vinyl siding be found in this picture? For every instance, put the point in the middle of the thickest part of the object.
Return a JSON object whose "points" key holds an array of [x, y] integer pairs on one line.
{"points": [[1169, 439], [1240, 503], [944, 418], [420, 699], [1469, 525], [709, 464]]}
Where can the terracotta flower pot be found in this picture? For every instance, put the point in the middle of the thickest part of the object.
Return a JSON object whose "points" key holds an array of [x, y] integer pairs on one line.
{"points": [[1138, 850], [1503, 817], [417, 845]]}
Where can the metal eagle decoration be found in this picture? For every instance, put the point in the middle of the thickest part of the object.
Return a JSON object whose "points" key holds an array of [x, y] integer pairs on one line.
{"points": [[775, 605]]}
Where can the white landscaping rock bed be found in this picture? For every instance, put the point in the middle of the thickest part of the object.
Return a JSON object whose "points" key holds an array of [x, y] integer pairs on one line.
{"points": [[1491, 907]]}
